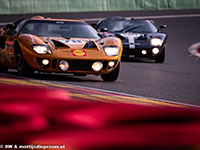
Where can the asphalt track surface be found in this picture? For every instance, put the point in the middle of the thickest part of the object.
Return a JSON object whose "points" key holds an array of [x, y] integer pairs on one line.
{"points": [[177, 79]]}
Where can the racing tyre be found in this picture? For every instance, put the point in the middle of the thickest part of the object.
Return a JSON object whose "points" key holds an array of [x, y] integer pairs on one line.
{"points": [[112, 76], [161, 57], [23, 68], [3, 69]]}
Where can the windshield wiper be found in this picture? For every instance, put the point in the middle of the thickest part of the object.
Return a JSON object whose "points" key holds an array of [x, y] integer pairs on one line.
{"points": [[130, 28]]}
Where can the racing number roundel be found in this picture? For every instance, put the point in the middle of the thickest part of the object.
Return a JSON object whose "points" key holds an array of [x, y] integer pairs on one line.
{"points": [[78, 52]]}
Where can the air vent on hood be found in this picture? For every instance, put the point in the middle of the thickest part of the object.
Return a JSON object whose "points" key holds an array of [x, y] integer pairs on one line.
{"points": [[90, 44], [59, 44]]}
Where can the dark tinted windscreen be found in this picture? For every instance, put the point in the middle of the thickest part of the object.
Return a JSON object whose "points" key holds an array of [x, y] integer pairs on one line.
{"points": [[66, 29], [137, 26]]}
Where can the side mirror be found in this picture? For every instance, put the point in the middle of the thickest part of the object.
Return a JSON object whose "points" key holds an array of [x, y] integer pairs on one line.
{"points": [[9, 25], [103, 30], [162, 27]]}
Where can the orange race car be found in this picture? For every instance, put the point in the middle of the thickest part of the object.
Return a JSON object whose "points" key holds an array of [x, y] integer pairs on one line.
{"points": [[58, 45]]}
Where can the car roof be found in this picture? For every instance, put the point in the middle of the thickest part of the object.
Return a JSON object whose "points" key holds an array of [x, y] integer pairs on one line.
{"points": [[53, 19], [117, 18]]}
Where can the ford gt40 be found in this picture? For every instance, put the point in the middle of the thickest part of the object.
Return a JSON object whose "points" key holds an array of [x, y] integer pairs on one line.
{"points": [[58, 45], [141, 38]]}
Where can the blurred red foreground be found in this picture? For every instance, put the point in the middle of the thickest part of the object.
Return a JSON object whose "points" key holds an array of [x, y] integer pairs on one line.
{"points": [[41, 115]]}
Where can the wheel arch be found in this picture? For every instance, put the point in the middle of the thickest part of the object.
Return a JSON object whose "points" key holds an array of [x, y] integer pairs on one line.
{"points": [[2, 41]]}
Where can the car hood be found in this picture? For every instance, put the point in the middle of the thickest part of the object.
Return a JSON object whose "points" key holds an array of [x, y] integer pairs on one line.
{"points": [[65, 42]]}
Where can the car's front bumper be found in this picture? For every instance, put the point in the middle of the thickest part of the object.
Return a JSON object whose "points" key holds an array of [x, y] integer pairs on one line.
{"points": [[137, 52], [81, 65]]}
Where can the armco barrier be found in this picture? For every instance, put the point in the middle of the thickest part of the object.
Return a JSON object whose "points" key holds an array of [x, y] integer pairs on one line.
{"points": [[51, 6]]}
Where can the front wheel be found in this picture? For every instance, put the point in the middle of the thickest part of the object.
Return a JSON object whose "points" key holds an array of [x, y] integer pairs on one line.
{"points": [[23, 68], [161, 57], [112, 76]]}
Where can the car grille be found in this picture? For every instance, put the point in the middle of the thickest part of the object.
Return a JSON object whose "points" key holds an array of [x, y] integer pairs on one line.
{"points": [[74, 65], [54, 63], [137, 52], [86, 65]]}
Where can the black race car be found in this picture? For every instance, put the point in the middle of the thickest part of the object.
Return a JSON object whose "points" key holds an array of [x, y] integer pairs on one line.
{"points": [[141, 38]]}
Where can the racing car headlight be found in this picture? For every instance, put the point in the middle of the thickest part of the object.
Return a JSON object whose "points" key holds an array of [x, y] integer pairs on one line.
{"points": [[156, 42], [41, 49], [97, 66], [112, 50]]}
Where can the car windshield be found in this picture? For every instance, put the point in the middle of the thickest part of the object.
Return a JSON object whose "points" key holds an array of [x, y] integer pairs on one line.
{"points": [[137, 26], [67, 29]]}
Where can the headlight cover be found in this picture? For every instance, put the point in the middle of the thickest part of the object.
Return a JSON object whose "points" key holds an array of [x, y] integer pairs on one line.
{"points": [[41, 49], [111, 50], [156, 42]]}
